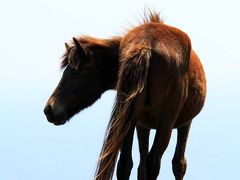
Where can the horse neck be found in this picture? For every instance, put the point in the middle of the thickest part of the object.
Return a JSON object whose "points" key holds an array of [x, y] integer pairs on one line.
{"points": [[110, 64]]}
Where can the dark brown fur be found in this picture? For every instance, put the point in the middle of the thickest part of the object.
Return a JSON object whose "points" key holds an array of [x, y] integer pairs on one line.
{"points": [[161, 85]]}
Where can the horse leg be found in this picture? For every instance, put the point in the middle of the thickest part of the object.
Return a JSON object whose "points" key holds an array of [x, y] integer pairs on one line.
{"points": [[143, 142], [179, 163], [160, 143], [125, 162]]}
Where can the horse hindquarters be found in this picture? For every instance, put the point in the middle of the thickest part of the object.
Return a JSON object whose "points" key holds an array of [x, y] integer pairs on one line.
{"points": [[167, 92], [161, 141]]}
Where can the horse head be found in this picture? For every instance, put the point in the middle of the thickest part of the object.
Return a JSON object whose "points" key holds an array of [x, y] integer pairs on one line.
{"points": [[90, 68]]}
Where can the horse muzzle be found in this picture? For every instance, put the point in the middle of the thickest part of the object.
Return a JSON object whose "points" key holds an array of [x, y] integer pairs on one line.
{"points": [[55, 114]]}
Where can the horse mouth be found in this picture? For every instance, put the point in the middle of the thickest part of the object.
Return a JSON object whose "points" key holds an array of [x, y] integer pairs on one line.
{"points": [[56, 121], [56, 116]]}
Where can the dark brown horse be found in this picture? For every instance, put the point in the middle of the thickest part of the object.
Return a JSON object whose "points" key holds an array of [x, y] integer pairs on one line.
{"points": [[160, 85]]}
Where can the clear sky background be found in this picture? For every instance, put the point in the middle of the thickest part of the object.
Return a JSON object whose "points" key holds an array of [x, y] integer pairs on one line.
{"points": [[32, 36]]}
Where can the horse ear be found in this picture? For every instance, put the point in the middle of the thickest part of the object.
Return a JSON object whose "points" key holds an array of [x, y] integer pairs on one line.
{"points": [[79, 46], [80, 54], [67, 47]]}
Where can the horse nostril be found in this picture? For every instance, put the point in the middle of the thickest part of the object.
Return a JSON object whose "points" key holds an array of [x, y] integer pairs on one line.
{"points": [[48, 110]]}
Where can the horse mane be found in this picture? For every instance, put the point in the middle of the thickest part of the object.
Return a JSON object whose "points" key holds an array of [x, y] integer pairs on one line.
{"points": [[88, 42], [152, 17], [92, 42]]}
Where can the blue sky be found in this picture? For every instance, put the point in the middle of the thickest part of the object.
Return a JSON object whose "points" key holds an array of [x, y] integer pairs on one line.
{"points": [[32, 37]]}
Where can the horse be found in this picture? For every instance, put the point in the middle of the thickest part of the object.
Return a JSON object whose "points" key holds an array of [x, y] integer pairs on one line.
{"points": [[161, 85], [132, 67]]}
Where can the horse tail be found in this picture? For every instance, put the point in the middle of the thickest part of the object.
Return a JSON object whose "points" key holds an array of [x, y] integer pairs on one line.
{"points": [[131, 82]]}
